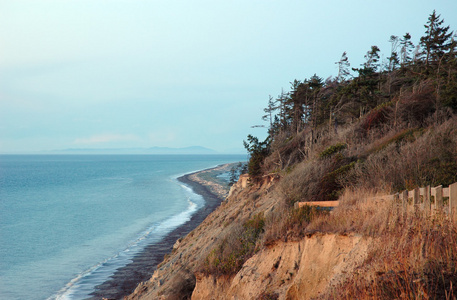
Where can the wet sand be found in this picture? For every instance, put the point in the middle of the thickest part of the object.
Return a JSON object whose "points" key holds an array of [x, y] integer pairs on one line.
{"points": [[125, 279]]}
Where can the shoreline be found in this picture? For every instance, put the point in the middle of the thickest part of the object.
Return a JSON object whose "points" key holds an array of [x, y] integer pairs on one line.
{"points": [[124, 281]]}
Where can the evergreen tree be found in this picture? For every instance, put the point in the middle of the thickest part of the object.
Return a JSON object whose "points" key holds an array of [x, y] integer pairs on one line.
{"points": [[407, 48], [436, 40], [269, 114], [282, 104], [297, 102], [257, 151], [393, 58], [372, 60], [343, 68], [315, 84]]}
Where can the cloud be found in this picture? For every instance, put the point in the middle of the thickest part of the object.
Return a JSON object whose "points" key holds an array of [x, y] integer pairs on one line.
{"points": [[106, 138]]}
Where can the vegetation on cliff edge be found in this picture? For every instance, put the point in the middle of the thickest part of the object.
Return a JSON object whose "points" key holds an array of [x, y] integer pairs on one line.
{"points": [[392, 126]]}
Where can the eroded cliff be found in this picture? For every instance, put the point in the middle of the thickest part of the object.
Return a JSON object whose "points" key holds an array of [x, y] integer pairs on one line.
{"points": [[297, 269], [291, 270]]}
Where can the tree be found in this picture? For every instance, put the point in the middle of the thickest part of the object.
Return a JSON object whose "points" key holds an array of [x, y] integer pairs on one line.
{"points": [[436, 40], [372, 57], [315, 84], [282, 104], [297, 102], [269, 110], [258, 151], [343, 68], [406, 50], [393, 58]]}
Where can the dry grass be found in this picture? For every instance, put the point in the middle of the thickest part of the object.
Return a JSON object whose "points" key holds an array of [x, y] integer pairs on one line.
{"points": [[303, 183], [286, 223], [236, 247], [413, 256]]}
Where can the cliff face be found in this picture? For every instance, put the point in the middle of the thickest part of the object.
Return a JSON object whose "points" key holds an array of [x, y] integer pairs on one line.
{"points": [[286, 270], [293, 270]]}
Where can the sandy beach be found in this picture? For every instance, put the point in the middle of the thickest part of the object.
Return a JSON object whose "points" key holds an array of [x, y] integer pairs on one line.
{"points": [[124, 281]]}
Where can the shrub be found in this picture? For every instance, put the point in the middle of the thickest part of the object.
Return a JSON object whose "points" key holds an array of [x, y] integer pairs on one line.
{"points": [[286, 222], [330, 185], [229, 256], [415, 107], [405, 135], [376, 116], [303, 182], [332, 150], [411, 158]]}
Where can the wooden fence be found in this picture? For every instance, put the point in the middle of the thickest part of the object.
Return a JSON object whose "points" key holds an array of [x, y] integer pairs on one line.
{"points": [[430, 198], [427, 198]]}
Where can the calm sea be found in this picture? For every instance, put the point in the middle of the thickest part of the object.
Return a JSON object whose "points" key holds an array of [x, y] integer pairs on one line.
{"points": [[67, 222]]}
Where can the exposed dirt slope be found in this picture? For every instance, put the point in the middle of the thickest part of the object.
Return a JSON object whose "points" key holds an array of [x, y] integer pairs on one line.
{"points": [[289, 270], [292, 270], [175, 277]]}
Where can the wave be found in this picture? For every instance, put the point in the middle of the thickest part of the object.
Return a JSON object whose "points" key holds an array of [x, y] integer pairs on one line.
{"points": [[84, 283]]}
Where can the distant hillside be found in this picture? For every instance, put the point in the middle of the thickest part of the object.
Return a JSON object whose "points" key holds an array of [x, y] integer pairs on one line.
{"points": [[185, 150]]}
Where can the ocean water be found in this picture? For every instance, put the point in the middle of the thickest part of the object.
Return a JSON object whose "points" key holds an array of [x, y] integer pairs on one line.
{"points": [[67, 222]]}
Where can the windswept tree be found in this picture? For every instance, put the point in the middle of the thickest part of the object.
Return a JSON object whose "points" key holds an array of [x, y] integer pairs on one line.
{"points": [[372, 60], [269, 114], [297, 102], [393, 58], [343, 68], [282, 105], [406, 50], [315, 85], [257, 151], [437, 39]]}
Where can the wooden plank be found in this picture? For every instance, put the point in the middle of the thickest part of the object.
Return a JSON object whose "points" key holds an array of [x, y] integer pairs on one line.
{"points": [[439, 197], [318, 203], [453, 201], [446, 192], [411, 194], [427, 204], [416, 197], [404, 200]]}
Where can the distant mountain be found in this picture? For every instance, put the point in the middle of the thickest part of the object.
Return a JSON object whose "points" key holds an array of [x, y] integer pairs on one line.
{"points": [[152, 150], [185, 150]]}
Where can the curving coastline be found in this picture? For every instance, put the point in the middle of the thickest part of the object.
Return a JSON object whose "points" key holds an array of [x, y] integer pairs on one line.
{"points": [[125, 279]]}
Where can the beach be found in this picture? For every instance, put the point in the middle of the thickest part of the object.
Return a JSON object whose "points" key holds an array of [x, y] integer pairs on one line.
{"points": [[205, 183]]}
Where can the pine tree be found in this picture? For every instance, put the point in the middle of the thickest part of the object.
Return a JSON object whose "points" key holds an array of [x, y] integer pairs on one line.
{"points": [[297, 102], [372, 57], [406, 50], [393, 58], [436, 40], [343, 68], [269, 112], [282, 104]]}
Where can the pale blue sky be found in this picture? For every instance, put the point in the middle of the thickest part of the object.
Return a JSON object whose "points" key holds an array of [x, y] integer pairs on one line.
{"points": [[135, 73]]}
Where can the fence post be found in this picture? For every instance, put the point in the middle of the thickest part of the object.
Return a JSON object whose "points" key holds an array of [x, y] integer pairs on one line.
{"points": [[405, 200], [439, 198], [427, 204], [453, 200], [416, 197]]}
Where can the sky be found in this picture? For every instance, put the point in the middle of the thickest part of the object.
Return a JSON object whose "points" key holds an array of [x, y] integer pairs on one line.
{"points": [[79, 74]]}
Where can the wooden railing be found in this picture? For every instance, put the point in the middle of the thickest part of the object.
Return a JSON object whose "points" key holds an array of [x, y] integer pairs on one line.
{"points": [[427, 198], [430, 198]]}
